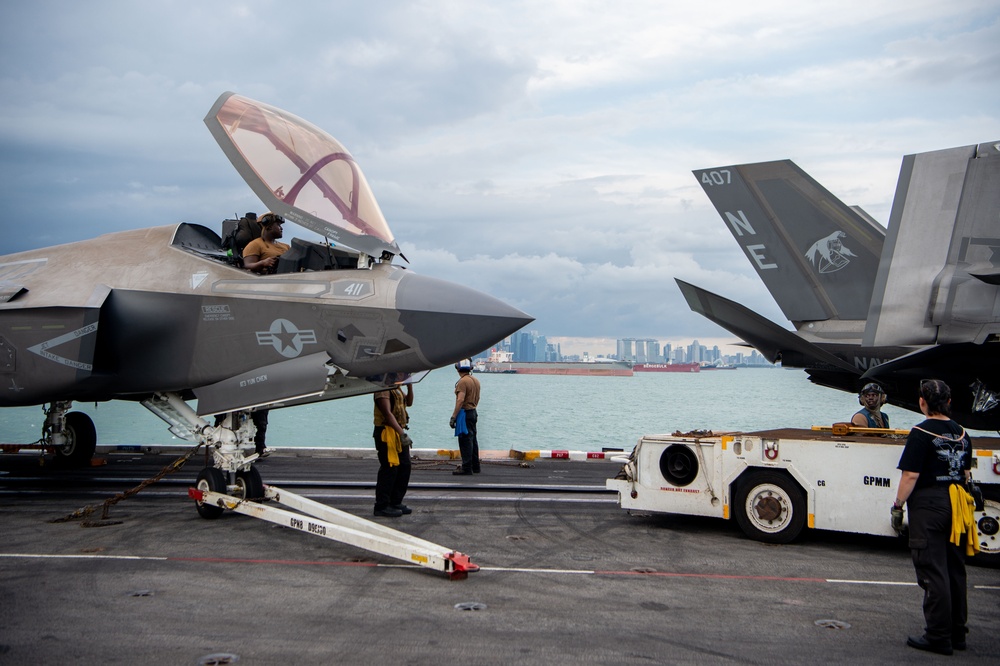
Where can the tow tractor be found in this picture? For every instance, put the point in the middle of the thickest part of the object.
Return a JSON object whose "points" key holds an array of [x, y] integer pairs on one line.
{"points": [[776, 483]]}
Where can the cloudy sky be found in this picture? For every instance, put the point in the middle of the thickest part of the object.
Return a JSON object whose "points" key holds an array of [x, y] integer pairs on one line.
{"points": [[539, 151]]}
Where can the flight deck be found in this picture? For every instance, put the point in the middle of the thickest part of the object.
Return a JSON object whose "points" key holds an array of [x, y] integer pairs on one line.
{"points": [[565, 576]]}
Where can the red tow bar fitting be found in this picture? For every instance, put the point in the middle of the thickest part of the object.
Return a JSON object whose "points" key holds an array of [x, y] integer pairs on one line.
{"points": [[463, 565], [195, 494]]}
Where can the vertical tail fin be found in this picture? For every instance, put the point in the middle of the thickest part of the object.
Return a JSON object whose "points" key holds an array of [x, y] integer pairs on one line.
{"points": [[939, 280], [817, 256]]}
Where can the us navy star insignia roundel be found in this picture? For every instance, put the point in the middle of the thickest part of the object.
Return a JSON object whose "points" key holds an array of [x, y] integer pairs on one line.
{"points": [[286, 338]]}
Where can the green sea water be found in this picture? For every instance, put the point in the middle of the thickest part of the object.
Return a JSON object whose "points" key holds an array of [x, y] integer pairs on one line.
{"points": [[524, 412]]}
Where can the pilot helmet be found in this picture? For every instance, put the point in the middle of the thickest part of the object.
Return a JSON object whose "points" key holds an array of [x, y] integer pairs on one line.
{"points": [[872, 387], [464, 364]]}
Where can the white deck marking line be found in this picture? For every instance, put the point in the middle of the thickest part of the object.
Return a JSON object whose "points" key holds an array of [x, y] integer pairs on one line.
{"points": [[571, 572], [869, 582], [82, 557]]}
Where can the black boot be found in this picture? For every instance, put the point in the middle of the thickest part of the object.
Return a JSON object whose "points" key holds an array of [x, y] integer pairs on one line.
{"points": [[938, 646]]}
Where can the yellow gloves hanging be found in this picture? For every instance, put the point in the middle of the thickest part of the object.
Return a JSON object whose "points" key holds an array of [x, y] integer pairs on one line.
{"points": [[962, 520], [392, 444]]}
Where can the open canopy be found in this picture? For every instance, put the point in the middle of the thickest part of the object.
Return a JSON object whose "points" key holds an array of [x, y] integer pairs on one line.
{"points": [[300, 172]]}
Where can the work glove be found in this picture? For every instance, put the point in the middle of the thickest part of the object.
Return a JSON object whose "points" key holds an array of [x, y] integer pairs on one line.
{"points": [[453, 422], [896, 518], [977, 494], [405, 440]]}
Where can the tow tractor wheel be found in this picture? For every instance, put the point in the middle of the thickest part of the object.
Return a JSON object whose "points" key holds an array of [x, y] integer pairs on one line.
{"points": [[81, 441], [988, 522], [249, 485], [770, 507], [213, 479]]}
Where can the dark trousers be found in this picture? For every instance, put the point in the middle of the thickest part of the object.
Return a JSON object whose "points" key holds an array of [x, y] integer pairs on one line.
{"points": [[468, 445], [259, 419], [939, 564], [391, 482]]}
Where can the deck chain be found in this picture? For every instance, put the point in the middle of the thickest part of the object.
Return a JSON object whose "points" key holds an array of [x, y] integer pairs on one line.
{"points": [[111, 501]]}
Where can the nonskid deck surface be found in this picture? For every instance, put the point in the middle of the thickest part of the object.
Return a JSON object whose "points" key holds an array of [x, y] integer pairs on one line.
{"points": [[566, 577], [315, 468]]}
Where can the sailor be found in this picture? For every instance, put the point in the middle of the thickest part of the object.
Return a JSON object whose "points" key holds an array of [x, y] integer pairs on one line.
{"points": [[392, 445], [935, 466], [871, 398], [464, 417], [261, 254]]}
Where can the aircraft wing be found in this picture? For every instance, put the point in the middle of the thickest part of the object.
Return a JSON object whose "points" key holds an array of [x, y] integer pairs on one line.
{"points": [[962, 366], [300, 172], [817, 256], [772, 341]]}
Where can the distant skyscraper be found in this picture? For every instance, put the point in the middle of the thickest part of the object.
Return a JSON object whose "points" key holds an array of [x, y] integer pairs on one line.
{"points": [[625, 349], [523, 346]]}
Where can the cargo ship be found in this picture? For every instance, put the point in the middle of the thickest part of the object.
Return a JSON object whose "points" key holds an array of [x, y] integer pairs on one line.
{"points": [[667, 367], [592, 368], [499, 363]]}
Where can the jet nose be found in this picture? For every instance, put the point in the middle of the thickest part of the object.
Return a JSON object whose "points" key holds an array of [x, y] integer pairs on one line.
{"points": [[452, 321]]}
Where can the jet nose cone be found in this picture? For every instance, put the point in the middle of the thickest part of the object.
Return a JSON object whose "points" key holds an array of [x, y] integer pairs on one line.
{"points": [[452, 321]]}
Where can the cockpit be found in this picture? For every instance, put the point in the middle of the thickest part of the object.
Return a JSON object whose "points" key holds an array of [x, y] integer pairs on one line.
{"points": [[303, 256], [302, 174]]}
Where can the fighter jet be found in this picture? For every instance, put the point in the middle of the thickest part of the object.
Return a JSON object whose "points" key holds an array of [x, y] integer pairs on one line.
{"points": [[920, 301], [164, 317]]}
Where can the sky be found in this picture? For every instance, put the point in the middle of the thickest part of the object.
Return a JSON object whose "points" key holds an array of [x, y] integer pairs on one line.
{"points": [[539, 152]]}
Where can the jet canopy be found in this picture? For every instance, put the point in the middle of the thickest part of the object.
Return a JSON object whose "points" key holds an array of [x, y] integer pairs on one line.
{"points": [[300, 172]]}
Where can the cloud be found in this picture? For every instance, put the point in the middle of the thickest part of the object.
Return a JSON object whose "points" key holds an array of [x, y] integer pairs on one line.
{"points": [[542, 152]]}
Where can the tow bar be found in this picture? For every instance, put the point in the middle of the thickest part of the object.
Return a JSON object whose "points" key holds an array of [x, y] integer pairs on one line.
{"points": [[336, 525]]}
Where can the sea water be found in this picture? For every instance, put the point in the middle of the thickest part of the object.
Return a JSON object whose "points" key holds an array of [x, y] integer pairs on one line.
{"points": [[523, 412]]}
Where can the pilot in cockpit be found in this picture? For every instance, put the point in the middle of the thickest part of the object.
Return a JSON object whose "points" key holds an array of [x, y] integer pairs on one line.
{"points": [[261, 254]]}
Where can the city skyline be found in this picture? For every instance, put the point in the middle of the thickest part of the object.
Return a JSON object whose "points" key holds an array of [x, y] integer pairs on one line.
{"points": [[531, 345], [599, 346]]}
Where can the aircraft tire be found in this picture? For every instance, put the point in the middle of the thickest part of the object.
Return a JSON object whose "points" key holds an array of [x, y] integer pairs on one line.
{"points": [[770, 507], [988, 523], [81, 441], [213, 479], [251, 487]]}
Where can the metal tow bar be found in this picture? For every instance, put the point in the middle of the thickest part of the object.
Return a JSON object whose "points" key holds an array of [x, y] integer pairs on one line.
{"points": [[337, 525]]}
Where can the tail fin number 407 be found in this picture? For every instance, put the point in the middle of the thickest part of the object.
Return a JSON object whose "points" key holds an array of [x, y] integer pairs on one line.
{"points": [[720, 177]]}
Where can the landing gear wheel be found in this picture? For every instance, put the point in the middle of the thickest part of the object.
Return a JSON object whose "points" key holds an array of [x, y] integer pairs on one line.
{"points": [[81, 441], [249, 485], [988, 524], [770, 507], [213, 479]]}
